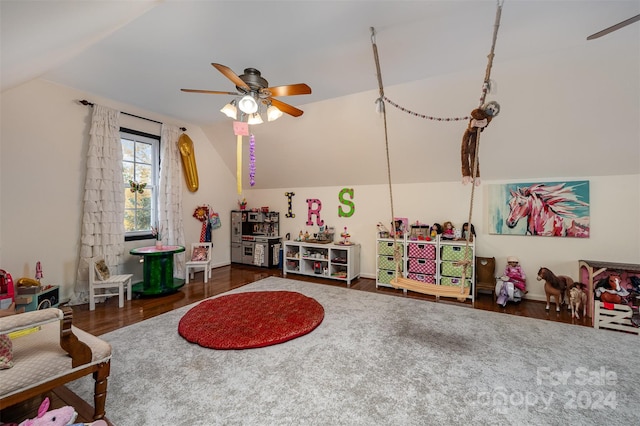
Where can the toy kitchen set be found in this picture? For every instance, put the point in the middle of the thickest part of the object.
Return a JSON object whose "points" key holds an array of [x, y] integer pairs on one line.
{"points": [[255, 237]]}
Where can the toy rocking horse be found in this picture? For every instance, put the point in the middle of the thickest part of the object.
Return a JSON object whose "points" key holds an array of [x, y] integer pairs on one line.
{"points": [[557, 286]]}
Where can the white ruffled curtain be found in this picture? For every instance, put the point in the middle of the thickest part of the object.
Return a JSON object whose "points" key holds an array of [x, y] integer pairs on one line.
{"points": [[102, 231], [170, 195]]}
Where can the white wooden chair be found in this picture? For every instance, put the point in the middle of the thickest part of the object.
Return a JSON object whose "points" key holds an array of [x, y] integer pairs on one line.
{"points": [[101, 279], [200, 258]]}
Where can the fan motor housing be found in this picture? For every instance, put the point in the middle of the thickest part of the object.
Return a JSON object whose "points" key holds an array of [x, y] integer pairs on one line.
{"points": [[253, 79]]}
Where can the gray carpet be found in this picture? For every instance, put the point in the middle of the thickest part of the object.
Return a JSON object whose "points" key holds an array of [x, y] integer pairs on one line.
{"points": [[377, 360]]}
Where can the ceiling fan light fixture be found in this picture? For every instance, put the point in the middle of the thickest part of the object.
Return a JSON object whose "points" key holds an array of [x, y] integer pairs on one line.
{"points": [[230, 110], [273, 113], [254, 119], [248, 104]]}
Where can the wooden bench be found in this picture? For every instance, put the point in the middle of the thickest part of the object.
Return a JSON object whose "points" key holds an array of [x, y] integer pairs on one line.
{"points": [[49, 353]]}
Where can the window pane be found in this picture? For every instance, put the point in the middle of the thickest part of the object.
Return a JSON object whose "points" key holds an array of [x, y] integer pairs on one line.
{"points": [[145, 203], [144, 174], [143, 219], [144, 199], [127, 149], [129, 199], [144, 153], [127, 172], [129, 220]]}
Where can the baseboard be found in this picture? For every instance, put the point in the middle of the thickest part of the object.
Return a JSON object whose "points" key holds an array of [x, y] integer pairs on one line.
{"points": [[536, 298], [221, 264]]}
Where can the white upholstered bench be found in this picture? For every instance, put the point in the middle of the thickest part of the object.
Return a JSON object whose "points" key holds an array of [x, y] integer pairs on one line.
{"points": [[51, 354]]}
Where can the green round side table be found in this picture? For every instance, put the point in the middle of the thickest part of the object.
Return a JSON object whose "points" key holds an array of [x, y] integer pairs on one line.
{"points": [[157, 271]]}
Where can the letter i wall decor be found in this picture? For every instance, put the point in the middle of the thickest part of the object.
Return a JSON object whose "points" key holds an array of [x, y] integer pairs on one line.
{"points": [[289, 196]]}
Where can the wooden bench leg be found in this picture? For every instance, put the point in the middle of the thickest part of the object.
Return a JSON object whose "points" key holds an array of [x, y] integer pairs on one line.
{"points": [[100, 389]]}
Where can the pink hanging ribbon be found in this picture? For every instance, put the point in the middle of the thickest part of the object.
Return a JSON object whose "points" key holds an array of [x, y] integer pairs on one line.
{"points": [[252, 160]]}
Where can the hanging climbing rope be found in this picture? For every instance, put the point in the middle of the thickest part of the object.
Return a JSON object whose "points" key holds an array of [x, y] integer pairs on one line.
{"points": [[462, 292]]}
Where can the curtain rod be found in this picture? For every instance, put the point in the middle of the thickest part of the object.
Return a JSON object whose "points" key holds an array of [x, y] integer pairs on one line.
{"points": [[86, 102]]}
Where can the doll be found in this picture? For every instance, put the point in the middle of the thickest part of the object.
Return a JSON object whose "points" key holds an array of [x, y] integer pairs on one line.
{"points": [[512, 285], [398, 228], [465, 232], [436, 229], [514, 271], [448, 232]]}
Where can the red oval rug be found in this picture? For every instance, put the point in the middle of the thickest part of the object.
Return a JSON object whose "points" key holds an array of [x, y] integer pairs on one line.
{"points": [[250, 320]]}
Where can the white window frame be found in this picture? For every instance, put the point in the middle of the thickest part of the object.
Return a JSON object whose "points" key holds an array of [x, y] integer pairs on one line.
{"points": [[153, 184]]}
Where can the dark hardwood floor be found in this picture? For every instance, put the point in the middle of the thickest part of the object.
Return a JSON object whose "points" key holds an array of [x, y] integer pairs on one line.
{"points": [[108, 317]]}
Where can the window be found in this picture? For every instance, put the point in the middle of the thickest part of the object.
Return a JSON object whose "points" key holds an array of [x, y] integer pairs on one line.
{"points": [[140, 171]]}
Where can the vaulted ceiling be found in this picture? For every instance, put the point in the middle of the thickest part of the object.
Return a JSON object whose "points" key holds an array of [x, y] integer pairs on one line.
{"points": [[142, 53]]}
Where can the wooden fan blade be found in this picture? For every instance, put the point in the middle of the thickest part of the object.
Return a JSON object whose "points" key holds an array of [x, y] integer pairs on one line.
{"points": [[614, 27], [228, 72], [291, 110], [210, 92], [290, 90]]}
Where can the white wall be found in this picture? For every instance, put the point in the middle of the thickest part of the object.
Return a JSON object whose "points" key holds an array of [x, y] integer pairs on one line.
{"points": [[44, 139], [43, 143], [439, 202]]}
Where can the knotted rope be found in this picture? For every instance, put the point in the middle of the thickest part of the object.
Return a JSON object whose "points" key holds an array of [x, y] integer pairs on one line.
{"points": [[380, 104]]}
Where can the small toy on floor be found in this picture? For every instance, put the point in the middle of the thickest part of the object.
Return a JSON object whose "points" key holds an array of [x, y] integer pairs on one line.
{"points": [[578, 299], [64, 416], [512, 286]]}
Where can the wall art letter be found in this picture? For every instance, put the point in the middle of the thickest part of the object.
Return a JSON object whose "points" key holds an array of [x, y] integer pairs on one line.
{"points": [[348, 203], [312, 211], [289, 196]]}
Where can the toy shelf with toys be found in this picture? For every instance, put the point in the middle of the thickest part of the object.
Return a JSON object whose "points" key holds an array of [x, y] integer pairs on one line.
{"points": [[335, 261], [433, 261], [614, 316]]}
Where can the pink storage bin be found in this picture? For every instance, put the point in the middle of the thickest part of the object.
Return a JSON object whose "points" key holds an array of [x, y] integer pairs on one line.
{"points": [[430, 279], [422, 266], [425, 251]]}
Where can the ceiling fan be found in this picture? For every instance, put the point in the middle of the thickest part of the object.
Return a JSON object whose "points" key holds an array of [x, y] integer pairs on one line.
{"points": [[614, 27], [254, 91]]}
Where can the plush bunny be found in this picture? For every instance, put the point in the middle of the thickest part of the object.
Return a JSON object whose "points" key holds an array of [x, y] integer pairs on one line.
{"points": [[64, 416], [60, 417]]}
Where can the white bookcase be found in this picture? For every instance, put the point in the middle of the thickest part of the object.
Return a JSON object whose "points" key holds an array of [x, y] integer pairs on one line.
{"points": [[335, 261], [432, 262]]}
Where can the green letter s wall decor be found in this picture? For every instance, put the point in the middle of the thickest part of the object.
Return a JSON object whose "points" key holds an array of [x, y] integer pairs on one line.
{"points": [[349, 203]]}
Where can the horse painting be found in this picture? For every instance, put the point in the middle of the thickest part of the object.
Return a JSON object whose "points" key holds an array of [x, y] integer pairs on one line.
{"points": [[548, 210], [556, 286]]}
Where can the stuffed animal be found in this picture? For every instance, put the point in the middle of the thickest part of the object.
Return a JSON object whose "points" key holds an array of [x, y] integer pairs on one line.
{"points": [[610, 290], [480, 119], [59, 417], [64, 416]]}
